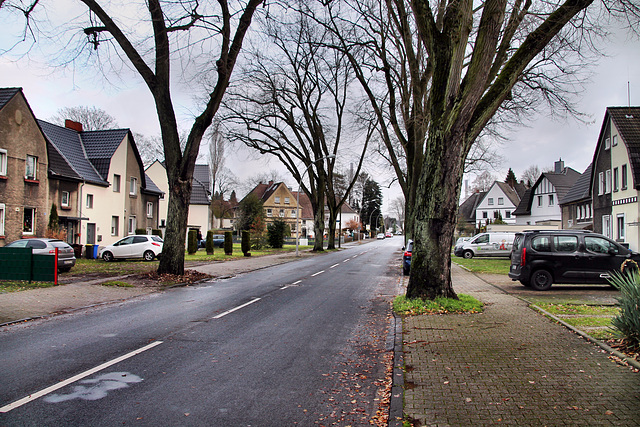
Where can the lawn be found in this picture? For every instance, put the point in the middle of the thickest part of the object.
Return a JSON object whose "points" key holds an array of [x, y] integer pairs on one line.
{"points": [[17, 285], [594, 320], [484, 265]]}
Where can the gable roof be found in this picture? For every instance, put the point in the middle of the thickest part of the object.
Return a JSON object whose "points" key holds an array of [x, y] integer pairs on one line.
{"points": [[264, 191], [524, 208], [510, 192], [561, 181], [100, 145], [200, 193], [627, 121], [6, 94], [468, 208], [580, 190]]}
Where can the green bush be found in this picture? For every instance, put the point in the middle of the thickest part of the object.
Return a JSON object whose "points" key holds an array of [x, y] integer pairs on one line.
{"points": [[141, 231], [192, 242], [209, 242], [156, 232], [245, 244], [628, 321], [275, 233], [228, 243]]}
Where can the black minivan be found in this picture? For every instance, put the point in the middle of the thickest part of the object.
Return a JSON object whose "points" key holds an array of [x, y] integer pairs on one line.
{"points": [[541, 258]]}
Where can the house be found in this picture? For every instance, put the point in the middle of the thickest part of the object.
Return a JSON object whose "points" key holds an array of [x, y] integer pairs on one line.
{"points": [[468, 210], [24, 187], [615, 179], [278, 202], [347, 216], [577, 211], [499, 202], [200, 215], [540, 205], [306, 216], [97, 179]]}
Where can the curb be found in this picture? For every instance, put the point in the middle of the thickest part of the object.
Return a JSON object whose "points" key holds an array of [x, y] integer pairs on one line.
{"points": [[396, 402]]}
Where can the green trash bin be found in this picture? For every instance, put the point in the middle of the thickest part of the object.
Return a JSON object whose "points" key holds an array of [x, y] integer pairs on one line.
{"points": [[88, 252]]}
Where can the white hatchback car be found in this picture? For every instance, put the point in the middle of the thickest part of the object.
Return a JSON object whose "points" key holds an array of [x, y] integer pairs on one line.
{"points": [[147, 247]]}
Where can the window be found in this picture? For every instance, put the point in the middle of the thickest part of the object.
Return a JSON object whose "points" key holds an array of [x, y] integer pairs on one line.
{"points": [[133, 186], [277, 199], [600, 183], [599, 245], [500, 201], [286, 201], [490, 201], [293, 213], [3, 162], [149, 209], [539, 201], [483, 238], [551, 200], [615, 179], [623, 177], [607, 143], [541, 244], [115, 225], [484, 214], [496, 214], [64, 199], [607, 181], [29, 221], [269, 213], [31, 167], [2, 210], [116, 183], [281, 213], [606, 226], [132, 225], [620, 221], [507, 214], [89, 201], [565, 243], [614, 140]]}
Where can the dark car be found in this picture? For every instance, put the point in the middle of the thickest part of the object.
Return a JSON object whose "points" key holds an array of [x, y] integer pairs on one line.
{"points": [[66, 256], [406, 258], [541, 258], [218, 241]]}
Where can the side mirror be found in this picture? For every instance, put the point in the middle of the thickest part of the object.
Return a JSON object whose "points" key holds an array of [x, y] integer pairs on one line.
{"points": [[613, 251]]}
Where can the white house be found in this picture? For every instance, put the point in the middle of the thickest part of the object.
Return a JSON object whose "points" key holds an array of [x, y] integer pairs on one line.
{"points": [[500, 201]]}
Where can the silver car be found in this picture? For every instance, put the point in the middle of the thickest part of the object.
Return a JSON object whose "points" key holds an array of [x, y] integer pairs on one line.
{"points": [[138, 246], [42, 246]]}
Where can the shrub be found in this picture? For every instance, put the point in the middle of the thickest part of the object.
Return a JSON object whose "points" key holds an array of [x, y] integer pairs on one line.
{"points": [[141, 231], [192, 244], [156, 232], [275, 233], [228, 243], [245, 245], [628, 321], [209, 242]]}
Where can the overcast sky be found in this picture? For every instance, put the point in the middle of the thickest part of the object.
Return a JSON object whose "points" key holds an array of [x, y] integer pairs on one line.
{"points": [[541, 143]]}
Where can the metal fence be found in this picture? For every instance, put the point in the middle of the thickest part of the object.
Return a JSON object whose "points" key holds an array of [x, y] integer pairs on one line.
{"points": [[22, 264]]}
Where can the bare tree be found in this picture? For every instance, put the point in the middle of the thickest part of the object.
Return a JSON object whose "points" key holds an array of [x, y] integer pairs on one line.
{"points": [[530, 175], [397, 207], [483, 181], [91, 118], [293, 104], [449, 68], [150, 43]]}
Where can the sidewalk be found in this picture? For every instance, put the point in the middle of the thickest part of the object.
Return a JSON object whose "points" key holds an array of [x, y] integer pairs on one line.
{"points": [[509, 366]]}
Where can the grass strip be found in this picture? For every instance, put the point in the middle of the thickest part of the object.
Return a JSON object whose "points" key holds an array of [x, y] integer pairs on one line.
{"points": [[417, 306]]}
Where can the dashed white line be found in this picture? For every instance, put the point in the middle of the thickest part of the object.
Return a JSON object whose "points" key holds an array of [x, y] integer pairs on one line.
{"points": [[236, 308], [346, 260], [73, 379], [334, 265], [319, 272], [288, 286]]}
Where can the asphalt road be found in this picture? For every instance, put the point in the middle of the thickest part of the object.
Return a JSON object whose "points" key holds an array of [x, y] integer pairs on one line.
{"points": [[296, 344]]}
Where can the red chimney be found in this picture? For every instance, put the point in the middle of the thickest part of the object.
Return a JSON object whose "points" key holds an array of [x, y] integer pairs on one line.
{"points": [[70, 124]]}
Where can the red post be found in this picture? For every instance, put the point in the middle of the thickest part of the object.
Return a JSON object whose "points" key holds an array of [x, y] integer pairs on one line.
{"points": [[55, 267]]}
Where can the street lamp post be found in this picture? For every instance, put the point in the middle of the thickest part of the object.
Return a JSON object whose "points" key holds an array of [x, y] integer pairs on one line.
{"points": [[331, 156]]}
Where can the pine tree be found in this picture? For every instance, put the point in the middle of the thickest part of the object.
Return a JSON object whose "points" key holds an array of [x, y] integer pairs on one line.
{"points": [[511, 178]]}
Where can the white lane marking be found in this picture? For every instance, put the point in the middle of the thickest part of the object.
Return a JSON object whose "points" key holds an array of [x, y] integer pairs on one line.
{"points": [[346, 260], [334, 265], [73, 379], [237, 308], [319, 272], [295, 283], [288, 286]]}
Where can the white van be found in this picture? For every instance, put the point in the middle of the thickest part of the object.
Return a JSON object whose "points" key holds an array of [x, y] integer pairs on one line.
{"points": [[491, 243]]}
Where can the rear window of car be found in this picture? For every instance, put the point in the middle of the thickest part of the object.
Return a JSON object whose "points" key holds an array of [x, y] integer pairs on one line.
{"points": [[517, 242], [157, 239], [58, 244], [541, 244], [565, 243]]}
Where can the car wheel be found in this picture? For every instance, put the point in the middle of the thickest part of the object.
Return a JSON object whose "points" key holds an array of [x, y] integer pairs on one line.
{"points": [[467, 254], [541, 280], [107, 256], [148, 256]]}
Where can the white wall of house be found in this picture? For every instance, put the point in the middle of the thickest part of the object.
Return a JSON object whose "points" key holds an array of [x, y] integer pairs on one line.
{"points": [[158, 175], [544, 205], [495, 201], [624, 212], [199, 218]]}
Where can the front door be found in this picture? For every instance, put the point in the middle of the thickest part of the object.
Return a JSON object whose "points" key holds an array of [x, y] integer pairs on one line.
{"points": [[91, 234]]}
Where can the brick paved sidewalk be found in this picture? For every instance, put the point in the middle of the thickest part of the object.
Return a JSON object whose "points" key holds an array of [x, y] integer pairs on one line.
{"points": [[510, 366]]}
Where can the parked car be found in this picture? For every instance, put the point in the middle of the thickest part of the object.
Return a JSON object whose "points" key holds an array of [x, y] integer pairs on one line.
{"points": [[460, 242], [491, 243], [388, 234], [218, 241], [380, 236], [66, 256], [541, 258], [406, 258], [147, 247]]}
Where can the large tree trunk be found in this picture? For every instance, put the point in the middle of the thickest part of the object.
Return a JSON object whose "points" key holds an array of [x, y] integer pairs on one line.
{"points": [[331, 244], [172, 259], [434, 218], [318, 227]]}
